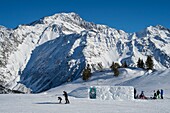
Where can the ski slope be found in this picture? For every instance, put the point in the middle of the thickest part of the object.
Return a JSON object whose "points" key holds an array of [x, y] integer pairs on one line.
{"points": [[43, 103], [47, 102]]}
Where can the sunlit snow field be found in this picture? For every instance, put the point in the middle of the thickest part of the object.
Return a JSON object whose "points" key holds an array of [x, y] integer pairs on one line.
{"points": [[47, 102]]}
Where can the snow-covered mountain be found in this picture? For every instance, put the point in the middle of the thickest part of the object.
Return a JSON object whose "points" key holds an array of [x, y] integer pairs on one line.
{"points": [[55, 50]]}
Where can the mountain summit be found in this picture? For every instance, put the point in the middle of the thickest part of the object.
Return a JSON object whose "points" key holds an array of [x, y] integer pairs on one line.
{"points": [[55, 49]]}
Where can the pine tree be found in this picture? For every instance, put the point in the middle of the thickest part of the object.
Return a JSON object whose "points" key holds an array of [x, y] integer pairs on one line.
{"points": [[115, 67], [140, 63], [149, 63], [116, 72], [112, 66], [86, 73]]}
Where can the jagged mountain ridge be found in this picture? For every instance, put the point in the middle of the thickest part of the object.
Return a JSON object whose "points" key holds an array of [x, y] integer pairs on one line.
{"points": [[55, 50]]}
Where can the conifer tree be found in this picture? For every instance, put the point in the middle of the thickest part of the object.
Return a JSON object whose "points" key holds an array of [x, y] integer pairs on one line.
{"points": [[115, 67], [140, 63], [112, 66], [86, 73], [149, 63], [116, 72]]}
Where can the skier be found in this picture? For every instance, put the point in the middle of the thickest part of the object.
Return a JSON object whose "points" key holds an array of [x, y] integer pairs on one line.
{"points": [[158, 93], [161, 93], [66, 97], [60, 99]]}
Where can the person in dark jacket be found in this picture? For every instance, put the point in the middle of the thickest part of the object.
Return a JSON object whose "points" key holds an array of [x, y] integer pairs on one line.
{"points": [[66, 97], [154, 95], [158, 94], [60, 99], [135, 93], [161, 93]]}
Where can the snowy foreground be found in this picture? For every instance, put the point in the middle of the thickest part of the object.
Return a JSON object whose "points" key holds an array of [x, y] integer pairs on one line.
{"points": [[47, 102]]}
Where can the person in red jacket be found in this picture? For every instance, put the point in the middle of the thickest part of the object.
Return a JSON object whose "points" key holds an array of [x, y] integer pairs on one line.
{"points": [[142, 96]]}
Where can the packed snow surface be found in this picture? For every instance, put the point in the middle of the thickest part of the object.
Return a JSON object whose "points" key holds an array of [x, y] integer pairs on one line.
{"points": [[49, 104]]}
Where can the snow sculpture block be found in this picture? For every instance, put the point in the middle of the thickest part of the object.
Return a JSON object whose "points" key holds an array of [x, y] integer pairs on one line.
{"points": [[111, 92]]}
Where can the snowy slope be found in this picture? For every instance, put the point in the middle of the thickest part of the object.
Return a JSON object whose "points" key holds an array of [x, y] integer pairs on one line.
{"points": [[55, 50], [78, 95], [139, 79], [49, 104]]}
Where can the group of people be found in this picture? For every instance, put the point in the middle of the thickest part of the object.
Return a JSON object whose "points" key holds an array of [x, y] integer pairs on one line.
{"points": [[66, 98], [157, 95]]}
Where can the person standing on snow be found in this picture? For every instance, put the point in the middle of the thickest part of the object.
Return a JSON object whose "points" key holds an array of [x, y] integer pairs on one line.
{"points": [[158, 93], [135, 93], [66, 97], [155, 95], [161, 93]]}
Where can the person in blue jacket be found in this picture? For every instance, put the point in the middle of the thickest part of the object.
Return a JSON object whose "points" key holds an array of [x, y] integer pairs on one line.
{"points": [[161, 93]]}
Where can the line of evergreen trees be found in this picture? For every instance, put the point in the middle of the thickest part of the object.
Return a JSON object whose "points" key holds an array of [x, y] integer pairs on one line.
{"points": [[115, 66], [147, 65], [140, 64]]}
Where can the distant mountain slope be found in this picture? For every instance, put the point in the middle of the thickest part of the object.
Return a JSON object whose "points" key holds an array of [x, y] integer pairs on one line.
{"points": [[55, 50]]}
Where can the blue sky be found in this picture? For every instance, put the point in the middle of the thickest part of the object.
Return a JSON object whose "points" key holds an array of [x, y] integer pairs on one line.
{"points": [[128, 15]]}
